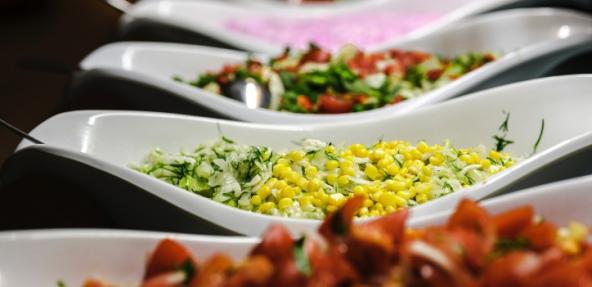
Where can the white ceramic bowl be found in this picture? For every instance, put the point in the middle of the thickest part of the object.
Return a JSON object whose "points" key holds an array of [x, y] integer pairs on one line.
{"points": [[107, 142], [211, 17], [532, 41], [73, 255]]}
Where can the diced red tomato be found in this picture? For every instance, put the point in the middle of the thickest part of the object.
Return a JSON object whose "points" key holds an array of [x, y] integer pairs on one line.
{"points": [[471, 216], [333, 105], [255, 271], [540, 236], [277, 244], [213, 272], [512, 270], [305, 103], [168, 256], [434, 74], [397, 99], [513, 222], [317, 55], [337, 224]]}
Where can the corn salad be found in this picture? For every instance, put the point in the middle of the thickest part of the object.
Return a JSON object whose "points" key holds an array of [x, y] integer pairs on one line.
{"points": [[318, 177]]}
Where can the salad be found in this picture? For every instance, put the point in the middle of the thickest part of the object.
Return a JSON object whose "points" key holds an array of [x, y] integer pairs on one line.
{"points": [[315, 81], [474, 248], [318, 177]]}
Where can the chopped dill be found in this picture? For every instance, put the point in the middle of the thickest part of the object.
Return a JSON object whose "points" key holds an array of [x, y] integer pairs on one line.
{"points": [[538, 141], [500, 140]]}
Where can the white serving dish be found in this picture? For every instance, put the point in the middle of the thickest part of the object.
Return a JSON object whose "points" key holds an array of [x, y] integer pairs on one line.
{"points": [[94, 148], [118, 256], [210, 18], [533, 41]]}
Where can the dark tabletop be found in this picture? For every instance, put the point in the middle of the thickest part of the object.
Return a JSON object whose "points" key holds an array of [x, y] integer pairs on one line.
{"points": [[63, 32]]}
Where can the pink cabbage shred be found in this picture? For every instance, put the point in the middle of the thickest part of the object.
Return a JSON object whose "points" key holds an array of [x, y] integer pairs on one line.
{"points": [[362, 29]]}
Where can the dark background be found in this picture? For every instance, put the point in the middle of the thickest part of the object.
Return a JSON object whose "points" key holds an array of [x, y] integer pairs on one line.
{"points": [[61, 31]]}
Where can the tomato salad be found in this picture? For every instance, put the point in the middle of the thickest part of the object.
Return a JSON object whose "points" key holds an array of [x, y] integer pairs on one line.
{"points": [[317, 81], [473, 248]]}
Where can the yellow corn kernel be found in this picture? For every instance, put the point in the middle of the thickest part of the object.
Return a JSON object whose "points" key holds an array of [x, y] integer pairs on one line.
{"points": [[344, 164], [396, 185], [348, 171], [360, 191], [284, 161], [374, 213], [509, 163], [271, 182], [372, 172], [332, 179], [293, 177], [363, 212], [279, 169], [263, 192], [378, 206], [361, 153], [331, 208], [310, 171], [255, 200], [285, 203], [421, 198], [404, 171], [330, 149], [392, 169], [401, 202], [389, 209], [466, 158], [313, 185], [305, 200], [427, 171], [475, 158], [436, 159], [320, 198], [423, 147], [406, 194], [385, 162], [423, 188], [343, 180], [336, 199], [578, 231], [376, 154], [280, 184], [302, 183], [387, 199], [424, 178], [266, 207], [287, 192], [331, 164], [495, 155], [485, 164], [368, 202], [296, 155], [416, 154]]}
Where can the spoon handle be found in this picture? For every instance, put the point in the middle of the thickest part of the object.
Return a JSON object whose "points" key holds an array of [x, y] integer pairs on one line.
{"points": [[19, 132]]}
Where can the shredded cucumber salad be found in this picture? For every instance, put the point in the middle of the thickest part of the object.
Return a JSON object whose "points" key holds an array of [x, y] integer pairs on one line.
{"points": [[318, 177]]}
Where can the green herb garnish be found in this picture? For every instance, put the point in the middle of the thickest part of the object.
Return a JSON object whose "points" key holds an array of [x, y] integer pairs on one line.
{"points": [[301, 258], [500, 140], [538, 141]]}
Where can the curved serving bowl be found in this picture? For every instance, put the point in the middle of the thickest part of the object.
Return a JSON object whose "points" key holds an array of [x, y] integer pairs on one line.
{"points": [[94, 148], [118, 256], [532, 41], [206, 21]]}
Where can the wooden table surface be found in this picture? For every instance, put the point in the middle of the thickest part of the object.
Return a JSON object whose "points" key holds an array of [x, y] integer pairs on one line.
{"points": [[63, 31]]}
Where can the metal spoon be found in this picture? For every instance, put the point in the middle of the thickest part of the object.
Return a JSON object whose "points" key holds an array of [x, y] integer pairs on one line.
{"points": [[248, 91], [19, 132]]}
